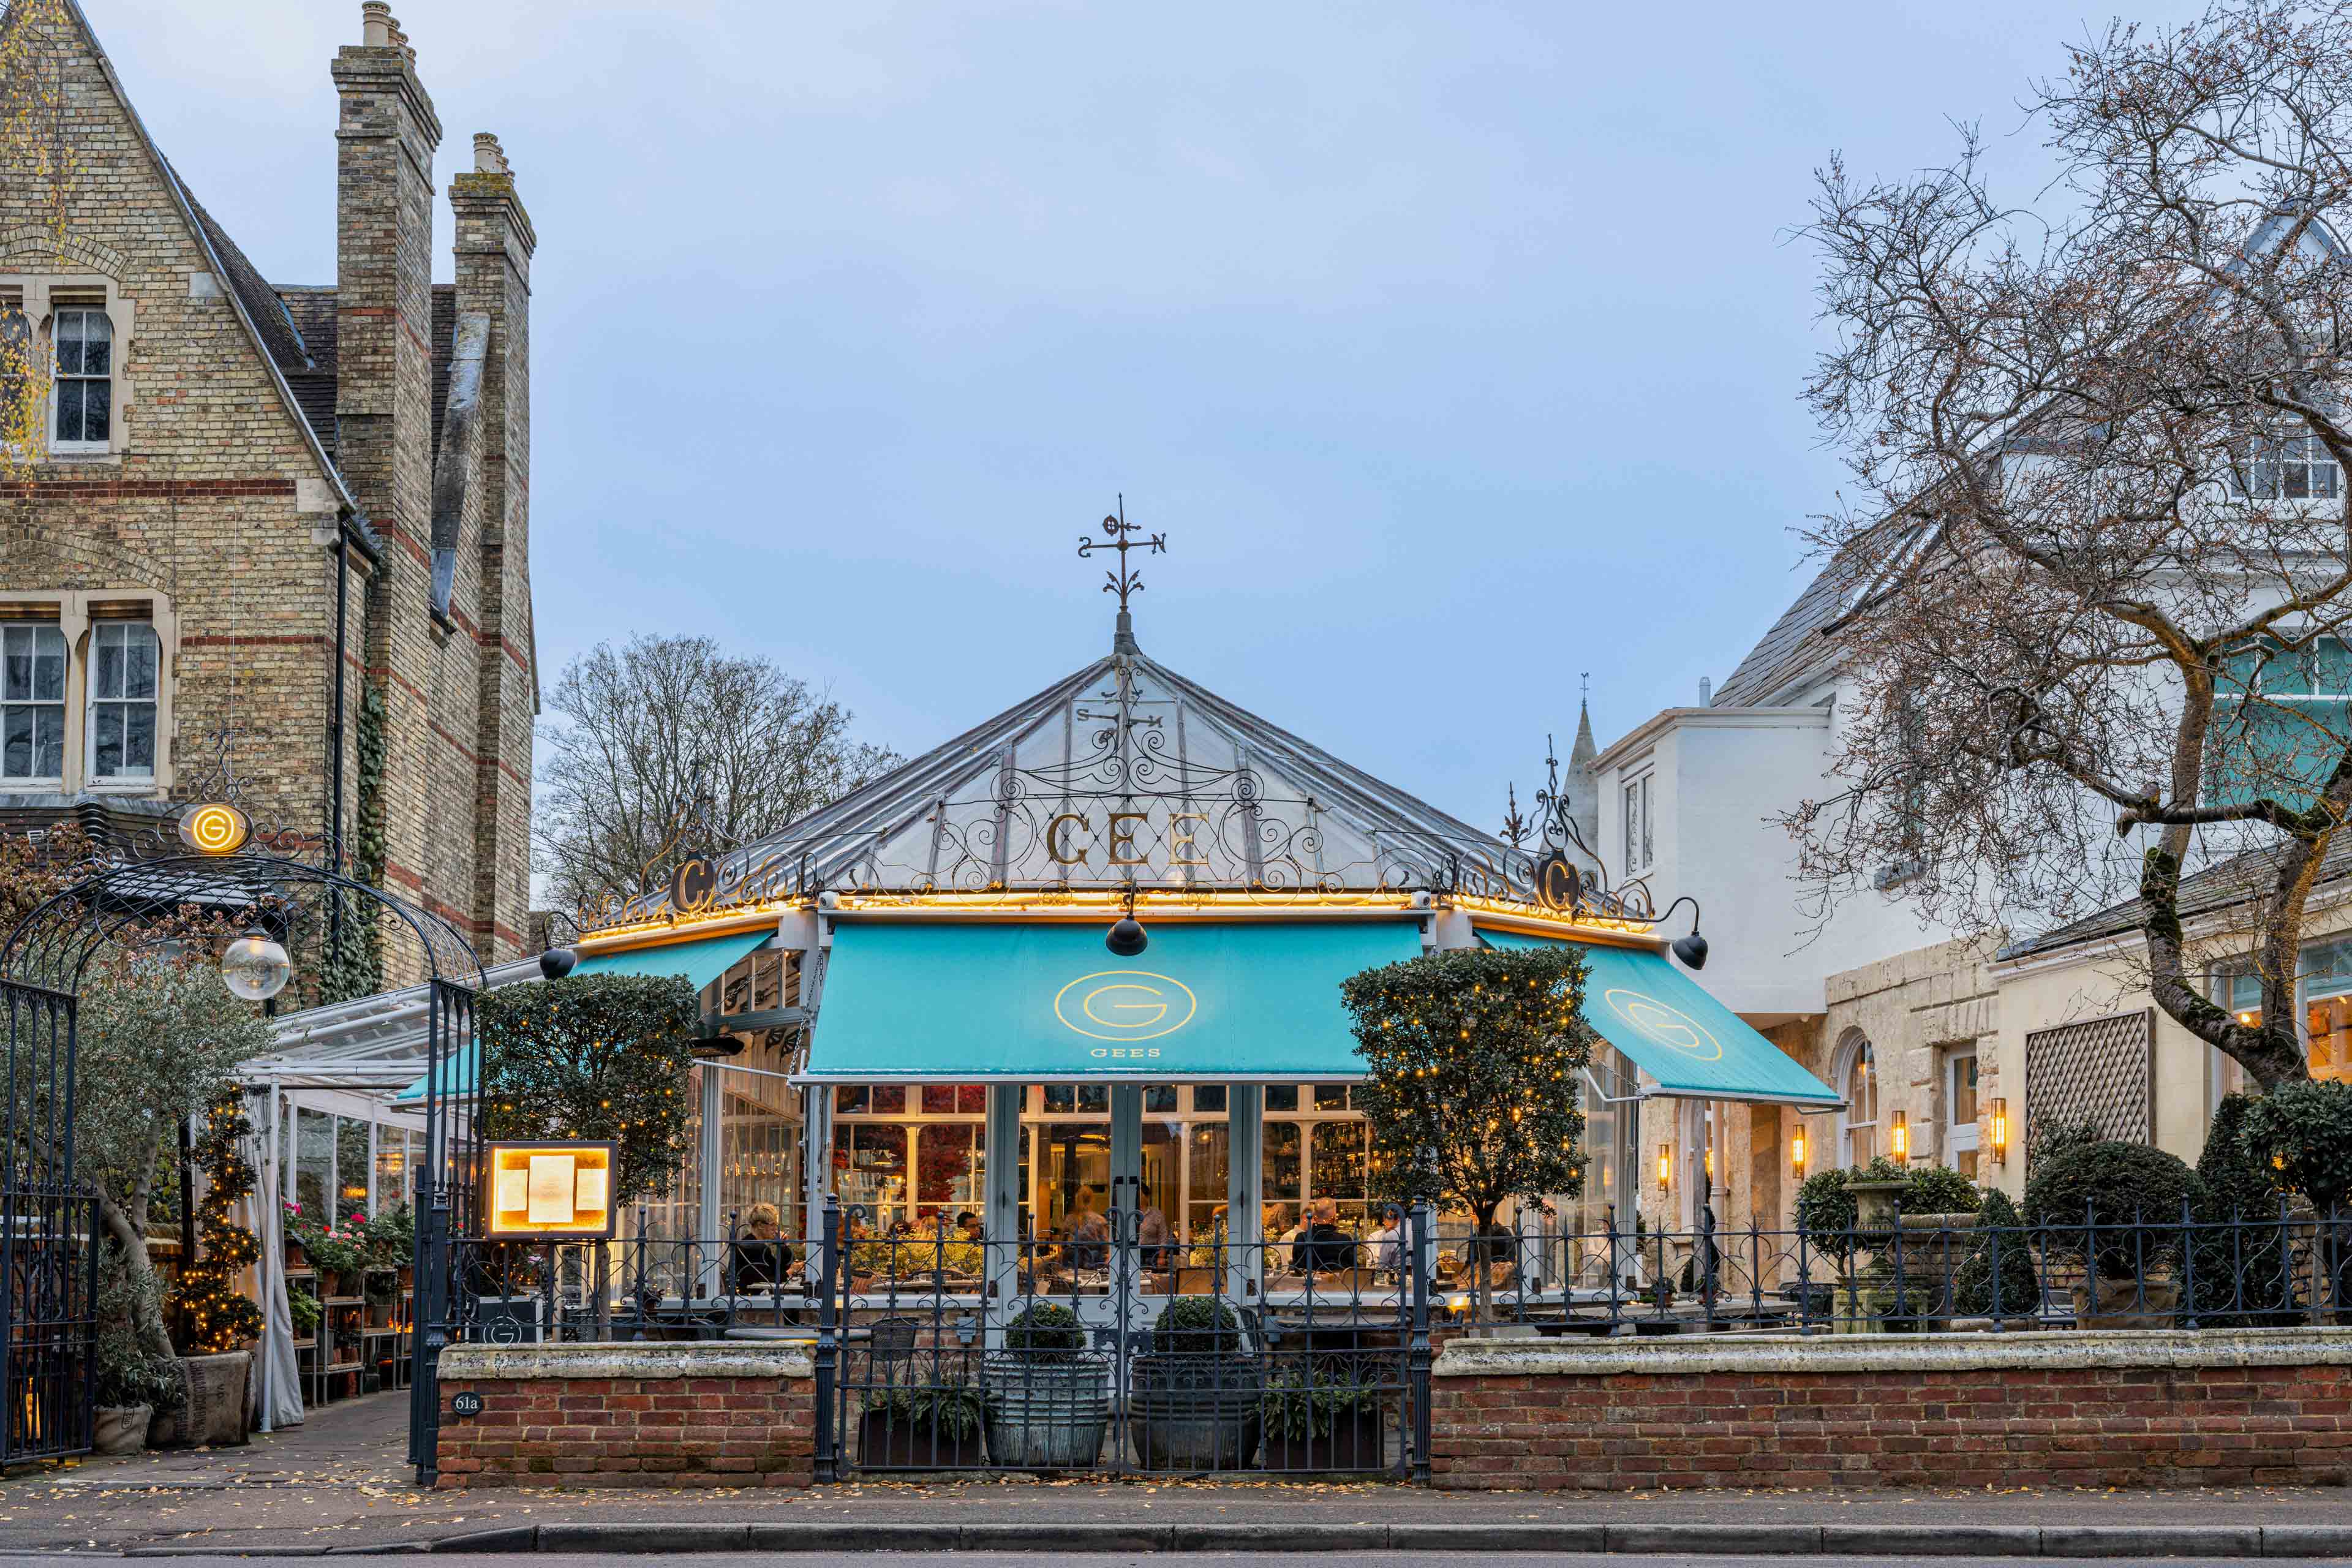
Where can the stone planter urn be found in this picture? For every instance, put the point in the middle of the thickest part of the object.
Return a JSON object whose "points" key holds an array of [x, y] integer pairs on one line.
{"points": [[121, 1429], [1874, 1203], [2126, 1304]]}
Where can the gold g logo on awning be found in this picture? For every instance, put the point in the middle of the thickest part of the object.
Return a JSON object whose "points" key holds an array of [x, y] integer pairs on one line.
{"points": [[1669, 1027], [1125, 1005]]}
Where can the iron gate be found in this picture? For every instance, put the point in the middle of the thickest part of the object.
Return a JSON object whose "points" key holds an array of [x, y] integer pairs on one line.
{"points": [[1108, 1352], [447, 1196], [48, 1252]]}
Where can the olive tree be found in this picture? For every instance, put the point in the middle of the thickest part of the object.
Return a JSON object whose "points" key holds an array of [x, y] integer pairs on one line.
{"points": [[1472, 1057]]}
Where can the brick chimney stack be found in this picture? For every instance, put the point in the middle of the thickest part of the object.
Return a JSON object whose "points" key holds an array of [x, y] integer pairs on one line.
{"points": [[494, 246], [385, 138]]}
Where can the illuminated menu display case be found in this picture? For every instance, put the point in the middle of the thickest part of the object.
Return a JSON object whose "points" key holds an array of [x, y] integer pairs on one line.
{"points": [[548, 1191]]}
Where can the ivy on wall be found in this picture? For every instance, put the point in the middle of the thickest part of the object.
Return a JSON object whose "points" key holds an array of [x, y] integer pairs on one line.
{"points": [[354, 967], [597, 1057]]}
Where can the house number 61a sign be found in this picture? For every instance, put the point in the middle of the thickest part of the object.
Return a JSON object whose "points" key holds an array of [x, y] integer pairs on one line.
{"points": [[467, 1404]]}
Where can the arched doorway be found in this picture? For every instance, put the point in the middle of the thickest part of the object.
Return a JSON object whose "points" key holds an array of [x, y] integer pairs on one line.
{"points": [[48, 1254]]}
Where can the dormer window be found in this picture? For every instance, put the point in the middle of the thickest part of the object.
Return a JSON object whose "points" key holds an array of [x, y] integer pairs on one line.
{"points": [[85, 387]]}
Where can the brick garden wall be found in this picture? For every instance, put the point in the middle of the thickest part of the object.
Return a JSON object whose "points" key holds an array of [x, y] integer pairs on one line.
{"points": [[2254, 1408], [628, 1415]]}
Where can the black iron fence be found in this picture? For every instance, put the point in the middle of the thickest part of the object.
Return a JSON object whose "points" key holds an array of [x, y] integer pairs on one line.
{"points": [[1122, 1347], [1907, 1273]]}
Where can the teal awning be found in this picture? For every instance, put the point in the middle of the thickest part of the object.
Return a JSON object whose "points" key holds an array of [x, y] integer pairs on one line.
{"points": [[1207, 1002], [701, 962], [1690, 1044]]}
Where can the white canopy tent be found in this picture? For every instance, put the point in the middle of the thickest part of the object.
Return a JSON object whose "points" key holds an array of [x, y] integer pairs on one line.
{"points": [[320, 1104]]}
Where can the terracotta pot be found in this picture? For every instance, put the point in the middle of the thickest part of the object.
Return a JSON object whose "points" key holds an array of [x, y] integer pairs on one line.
{"points": [[122, 1429], [296, 1257]]}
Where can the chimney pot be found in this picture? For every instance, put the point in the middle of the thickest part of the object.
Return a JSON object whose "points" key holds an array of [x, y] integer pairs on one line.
{"points": [[490, 158], [376, 23]]}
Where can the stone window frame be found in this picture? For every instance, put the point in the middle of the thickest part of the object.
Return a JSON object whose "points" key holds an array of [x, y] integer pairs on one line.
{"points": [[75, 612], [33, 293], [1850, 1046]]}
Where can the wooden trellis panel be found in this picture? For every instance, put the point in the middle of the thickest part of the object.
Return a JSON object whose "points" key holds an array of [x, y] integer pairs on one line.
{"points": [[2098, 1069]]}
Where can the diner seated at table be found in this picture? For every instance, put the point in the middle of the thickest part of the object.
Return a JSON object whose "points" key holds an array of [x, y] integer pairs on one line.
{"points": [[1388, 1246], [1322, 1248], [760, 1258], [1086, 1234], [1151, 1234], [967, 1224]]}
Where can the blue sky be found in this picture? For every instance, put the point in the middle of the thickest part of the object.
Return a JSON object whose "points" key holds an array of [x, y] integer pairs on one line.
{"points": [[1456, 348]]}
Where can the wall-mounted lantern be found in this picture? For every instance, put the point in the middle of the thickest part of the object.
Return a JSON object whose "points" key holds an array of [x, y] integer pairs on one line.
{"points": [[1666, 1167], [1899, 1140], [1797, 1152], [2000, 1131]]}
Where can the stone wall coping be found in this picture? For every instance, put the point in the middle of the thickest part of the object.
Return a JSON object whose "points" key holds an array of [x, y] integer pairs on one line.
{"points": [[1828, 1353], [643, 1362]]}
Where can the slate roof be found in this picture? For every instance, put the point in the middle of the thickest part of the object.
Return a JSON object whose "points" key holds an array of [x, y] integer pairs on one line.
{"points": [[313, 311], [2220, 887]]}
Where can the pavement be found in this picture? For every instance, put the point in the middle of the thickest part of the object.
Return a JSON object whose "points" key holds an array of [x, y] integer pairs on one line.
{"points": [[340, 1484]]}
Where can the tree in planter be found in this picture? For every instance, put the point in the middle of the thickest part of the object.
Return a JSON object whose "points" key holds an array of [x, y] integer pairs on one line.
{"points": [[219, 1317], [1472, 1059], [602, 1058], [158, 1039], [127, 1372], [2117, 1207], [2304, 1131]]}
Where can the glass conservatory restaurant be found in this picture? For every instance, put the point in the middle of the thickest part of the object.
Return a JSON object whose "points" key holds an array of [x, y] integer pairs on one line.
{"points": [[918, 977]]}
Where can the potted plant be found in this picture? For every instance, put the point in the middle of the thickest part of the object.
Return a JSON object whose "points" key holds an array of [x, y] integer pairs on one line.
{"points": [[1048, 1401], [383, 1290], [304, 1309], [129, 1382], [2116, 1209], [923, 1427], [292, 1247], [1323, 1418], [391, 1243], [1193, 1403]]}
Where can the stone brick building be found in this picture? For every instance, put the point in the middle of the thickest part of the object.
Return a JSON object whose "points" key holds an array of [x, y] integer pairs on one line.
{"points": [[282, 521]]}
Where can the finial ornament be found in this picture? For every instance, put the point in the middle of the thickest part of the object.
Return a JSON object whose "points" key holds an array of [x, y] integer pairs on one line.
{"points": [[1120, 536]]}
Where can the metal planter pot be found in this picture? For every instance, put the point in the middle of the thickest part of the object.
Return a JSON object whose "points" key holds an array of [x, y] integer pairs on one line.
{"points": [[1194, 1413], [1046, 1412]]}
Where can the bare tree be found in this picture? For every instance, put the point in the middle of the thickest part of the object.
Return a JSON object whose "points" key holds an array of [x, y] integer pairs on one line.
{"points": [[2103, 544], [640, 732]]}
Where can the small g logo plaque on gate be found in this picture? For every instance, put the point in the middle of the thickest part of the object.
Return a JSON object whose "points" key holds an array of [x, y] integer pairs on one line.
{"points": [[467, 1404]]}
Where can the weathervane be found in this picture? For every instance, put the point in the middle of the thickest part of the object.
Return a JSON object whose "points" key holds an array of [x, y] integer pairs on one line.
{"points": [[1124, 581]]}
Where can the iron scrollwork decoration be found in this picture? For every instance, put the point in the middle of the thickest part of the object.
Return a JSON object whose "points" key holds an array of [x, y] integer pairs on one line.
{"points": [[1560, 882]]}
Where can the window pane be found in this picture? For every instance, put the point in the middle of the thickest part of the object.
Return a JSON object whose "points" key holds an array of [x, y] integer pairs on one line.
{"points": [[1281, 1097], [49, 664], [140, 658], [1209, 1097], [96, 414], [139, 739], [70, 400], [96, 343], [1964, 1090], [938, 1098], [105, 748], [890, 1100], [1094, 1097], [1208, 1155], [109, 646], [49, 751], [19, 687], [1280, 1170], [1330, 1097], [1159, 1098], [68, 337], [18, 749]]}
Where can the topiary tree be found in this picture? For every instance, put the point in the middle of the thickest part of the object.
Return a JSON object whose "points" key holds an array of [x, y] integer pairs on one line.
{"points": [[1472, 1057], [2306, 1130], [2056, 1138], [1828, 1212], [2239, 1272], [600, 1056], [219, 1316], [1047, 1330], [1939, 1189], [1997, 1278], [2117, 1204]]}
